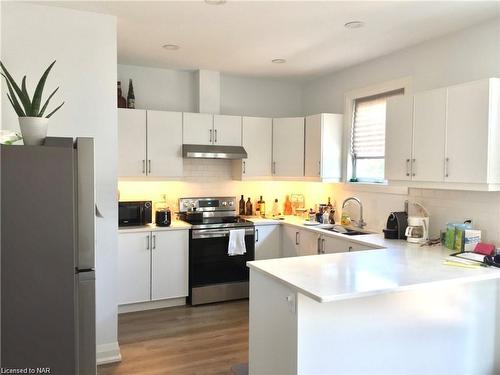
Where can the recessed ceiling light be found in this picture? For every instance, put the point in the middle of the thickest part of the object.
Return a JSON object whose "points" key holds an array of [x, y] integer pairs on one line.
{"points": [[278, 61], [171, 47], [215, 2], [354, 24]]}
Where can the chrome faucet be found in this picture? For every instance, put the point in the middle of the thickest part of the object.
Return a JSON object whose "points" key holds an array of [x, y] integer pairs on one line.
{"points": [[360, 223]]}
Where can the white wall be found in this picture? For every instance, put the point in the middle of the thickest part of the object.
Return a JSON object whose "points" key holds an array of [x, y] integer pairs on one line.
{"points": [[160, 89], [175, 90], [464, 56], [249, 96], [467, 55], [84, 45]]}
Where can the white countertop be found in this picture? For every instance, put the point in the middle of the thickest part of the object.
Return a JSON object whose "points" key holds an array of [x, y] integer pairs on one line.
{"points": [[397, 265], [175, 225], [332, 277]]}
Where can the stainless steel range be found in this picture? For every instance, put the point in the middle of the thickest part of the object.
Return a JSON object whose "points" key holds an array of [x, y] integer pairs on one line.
{"points": [[215, 276]]}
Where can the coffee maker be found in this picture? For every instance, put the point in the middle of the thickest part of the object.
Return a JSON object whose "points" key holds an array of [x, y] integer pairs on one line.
{"points": [[396, 226], [418, 225]]}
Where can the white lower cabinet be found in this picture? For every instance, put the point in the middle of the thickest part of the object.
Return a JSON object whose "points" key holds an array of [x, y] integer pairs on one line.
{"points": [[298, 242], [169, 264], [267, 242], [152, 266], [331, 245], [134, 259]]}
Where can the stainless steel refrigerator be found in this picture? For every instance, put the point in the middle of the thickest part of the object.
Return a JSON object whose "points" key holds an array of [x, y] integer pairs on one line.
{"points": [[47, 257]]}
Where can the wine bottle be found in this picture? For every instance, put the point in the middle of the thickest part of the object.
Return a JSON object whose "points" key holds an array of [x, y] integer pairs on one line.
{"points": [[130, 95], [262, 207], [242, 205], [122, 103], [249, 207]]}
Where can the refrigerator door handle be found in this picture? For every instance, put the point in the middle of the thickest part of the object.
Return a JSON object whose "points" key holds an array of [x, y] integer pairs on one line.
{"points": [[86, 206]]}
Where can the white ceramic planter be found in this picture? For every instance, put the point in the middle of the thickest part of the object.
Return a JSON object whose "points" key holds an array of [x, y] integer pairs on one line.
{"points": [[33, 129]]}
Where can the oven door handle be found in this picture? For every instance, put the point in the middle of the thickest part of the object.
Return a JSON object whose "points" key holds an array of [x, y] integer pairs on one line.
{"points": [[217, 233]]}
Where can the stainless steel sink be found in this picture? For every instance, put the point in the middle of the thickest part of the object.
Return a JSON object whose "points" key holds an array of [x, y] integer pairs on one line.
{"points": [[347, 231]]}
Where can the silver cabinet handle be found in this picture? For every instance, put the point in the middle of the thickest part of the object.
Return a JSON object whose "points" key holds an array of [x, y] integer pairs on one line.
{"points": [[256, 235], [323, 246], [210, 135], [143, 166], [297, 238], [446, 161], [244, 168], [350, 248], [147, 242], [413, 168], [154, 242], [408, 167], [149, 166], [319, 168], [274, 167], [319, 245], [215, 132]]}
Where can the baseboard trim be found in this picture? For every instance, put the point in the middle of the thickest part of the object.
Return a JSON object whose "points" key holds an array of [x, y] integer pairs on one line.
{"points": [[108, 353], [143, 306]]}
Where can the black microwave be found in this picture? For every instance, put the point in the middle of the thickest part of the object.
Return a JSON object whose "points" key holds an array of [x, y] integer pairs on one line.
{"points": [[134, 213]]}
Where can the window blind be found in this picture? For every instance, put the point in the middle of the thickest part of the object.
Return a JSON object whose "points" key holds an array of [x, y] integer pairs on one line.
{"points": [[368, 130]]}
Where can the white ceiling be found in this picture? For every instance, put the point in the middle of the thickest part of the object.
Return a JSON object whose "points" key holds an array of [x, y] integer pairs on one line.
{"points": [[242, 37]]}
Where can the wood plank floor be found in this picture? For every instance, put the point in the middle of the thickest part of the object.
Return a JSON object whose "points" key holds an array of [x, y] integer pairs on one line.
{"points": [[182, 340]]}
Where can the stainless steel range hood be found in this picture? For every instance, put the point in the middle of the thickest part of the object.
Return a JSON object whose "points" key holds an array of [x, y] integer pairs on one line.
{"points": [[213, 152]]}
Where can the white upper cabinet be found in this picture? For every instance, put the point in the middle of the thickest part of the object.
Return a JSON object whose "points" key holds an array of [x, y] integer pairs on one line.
{"points": [[149, 143], [257, 135], [323, 146], [131, 142], [227, 130], [164, 145], [471, 132], [399, 137], [456, 133], [429, 135], [198, 128], [208, 129], [288, 147]]}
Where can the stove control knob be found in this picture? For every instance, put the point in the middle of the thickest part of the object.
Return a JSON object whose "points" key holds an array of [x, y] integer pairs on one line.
{"points": [[224, 203], [231, 203]]}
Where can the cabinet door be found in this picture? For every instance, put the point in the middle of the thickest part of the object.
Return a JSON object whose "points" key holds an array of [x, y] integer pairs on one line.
{"points": [[288, 147], [312, 167], [164, 144], [290, 241], [198, 128], [398, 137], [134, 257], [429, 135], [257, 134], [308, 243], [331, 245], [354, 246], [131, 142], [467, 133], [227, 130], [267, 242], [169, 264]]}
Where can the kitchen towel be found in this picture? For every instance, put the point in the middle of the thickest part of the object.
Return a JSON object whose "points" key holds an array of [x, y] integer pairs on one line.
{"points": [[236, 242]]}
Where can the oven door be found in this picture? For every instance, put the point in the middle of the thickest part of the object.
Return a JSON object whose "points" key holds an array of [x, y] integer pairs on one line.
{"points": [[209, 263]]}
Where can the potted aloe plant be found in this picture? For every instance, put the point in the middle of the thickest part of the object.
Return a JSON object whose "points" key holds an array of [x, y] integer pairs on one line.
{"points": [[32, 118]]}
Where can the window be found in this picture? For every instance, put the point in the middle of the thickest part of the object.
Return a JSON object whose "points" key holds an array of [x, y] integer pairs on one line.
{"points": [[368, 137]]}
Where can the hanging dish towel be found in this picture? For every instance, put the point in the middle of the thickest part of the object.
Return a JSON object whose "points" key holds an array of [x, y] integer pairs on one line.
{"points": [[236, 242]]}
